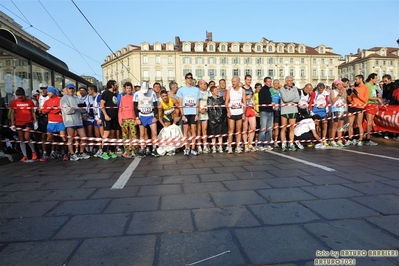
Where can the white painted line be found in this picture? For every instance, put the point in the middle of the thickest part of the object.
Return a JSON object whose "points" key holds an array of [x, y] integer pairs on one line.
{"points": [[371, 154], [122, 180], [228, 251], [303, 161]]}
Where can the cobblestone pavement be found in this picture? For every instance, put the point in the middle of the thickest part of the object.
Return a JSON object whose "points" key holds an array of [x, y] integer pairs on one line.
{"points": [[251, 209]]}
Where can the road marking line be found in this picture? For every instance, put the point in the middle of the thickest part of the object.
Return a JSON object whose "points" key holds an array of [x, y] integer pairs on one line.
{"points": [[122, 180], [370, 154], [304, 162]]}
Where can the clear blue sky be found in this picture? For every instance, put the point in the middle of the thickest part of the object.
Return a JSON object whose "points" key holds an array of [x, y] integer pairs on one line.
{"points": [[343, 25]]}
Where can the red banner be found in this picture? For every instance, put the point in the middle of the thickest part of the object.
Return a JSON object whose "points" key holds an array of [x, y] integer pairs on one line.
{"points": [[387, 119]]}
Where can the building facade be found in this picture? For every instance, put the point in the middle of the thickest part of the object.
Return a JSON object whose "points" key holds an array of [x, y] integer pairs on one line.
{"points": [[379, 60], [210, 60]]}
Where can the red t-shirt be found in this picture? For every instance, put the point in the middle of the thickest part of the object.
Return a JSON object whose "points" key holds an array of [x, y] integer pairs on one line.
{"points": [[23, 111]]}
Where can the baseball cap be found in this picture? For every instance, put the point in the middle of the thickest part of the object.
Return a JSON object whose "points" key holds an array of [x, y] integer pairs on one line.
{"points": [[35, 92], [137, 84], [144, 87], [43, 85], [52, 90], [70, 85], [338, 81]]}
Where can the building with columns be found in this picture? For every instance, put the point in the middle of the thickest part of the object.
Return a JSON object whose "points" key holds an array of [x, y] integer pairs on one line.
{"points": [[211, 60], [379, 60]]}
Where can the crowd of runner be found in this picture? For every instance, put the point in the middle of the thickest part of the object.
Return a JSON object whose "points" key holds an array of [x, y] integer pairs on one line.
{"points": [[198, 117]]}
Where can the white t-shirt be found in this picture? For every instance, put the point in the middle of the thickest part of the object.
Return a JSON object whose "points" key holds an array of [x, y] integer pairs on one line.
{"points": [[304, 126], [235, 103], [145, 102]]}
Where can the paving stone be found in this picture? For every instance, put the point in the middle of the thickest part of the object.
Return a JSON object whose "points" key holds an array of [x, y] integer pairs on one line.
{"points": [[86, 170], [191, 201], [97, 225], [356, 176], [246, 184], [197, 171], [37, 253], [107, 193], [160, 222], [133, 204], [232, 198], [204, 187], [283, 213], [94, 176], [217, 177], [232, 169], [339, 209], [325, 179], [69, 194], [214, 218], [23, 196], [159, 190], [108, 183], [373, 188], [213, 164], [287, 182], [181, 179], [259, 168], [389, 223], [79, 207], [254, 175], [180, 166], [331, 191], [63, 185], [389, 174], [386, 204], [287, 173], [188, 248], [126, 250], [394, 183], [350, 234], [285, 194], [172, 172], [231, 164], [25, 209], [142, 181], [30, 229], [23, 186], [277, 244]]}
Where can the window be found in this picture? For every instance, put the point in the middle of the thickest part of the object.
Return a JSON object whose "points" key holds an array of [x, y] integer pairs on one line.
{"points": [[158, 75], [145, 75], [170, 75], [199, 73], [376, 62], [291, 49], [222, 73], [223, 48], [157, 59], [391, 63], [212, 73], [211, 60], [270, 61], [270, 48], [248, 72], [281, 72], [199, 60], [302, 60], [186, 60], [236, 60], [211, 48], [223, 60], [38, 76], [22, 75], [259, 60], [383, 63], [170, 60], [259, 48], [291, 60], [236, 72], [330, 61], [270, 73], [314, 61], [301, 49], [145, 59], [322, 73], [314, 73], [302, 72], [247, 48], [187, 70], [259, 73], [322, 61], [330, 73], [280, 49], [187, 47], [291, 72], [199, 48], [8, 62], [321, 50], [247, 60], [235, 48], [280, 60]]}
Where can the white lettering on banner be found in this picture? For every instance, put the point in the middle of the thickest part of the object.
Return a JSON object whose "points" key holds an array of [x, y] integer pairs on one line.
{"points": [[387, 119]]}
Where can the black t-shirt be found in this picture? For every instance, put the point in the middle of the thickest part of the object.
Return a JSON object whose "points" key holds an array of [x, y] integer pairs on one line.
{"points": [[110, 101]]}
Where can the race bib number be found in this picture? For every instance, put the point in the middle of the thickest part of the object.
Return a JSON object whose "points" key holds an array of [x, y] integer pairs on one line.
{"points": [[235, 104], [145, 109], [320, 101], [190, 101]]}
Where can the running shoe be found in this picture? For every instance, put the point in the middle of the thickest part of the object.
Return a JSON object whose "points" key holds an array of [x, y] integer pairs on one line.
{"points": [[53, 155], [74, 157], [98, 154], [276, 144], [24, 159], [155, 153], [386, 137], [186, 152], [310, 145], [325, 143], [355, 142], [299, 145], [359, 143], [319, 146], [83, 155], [333, 144], [238, 150], [292, 147], [230, 150], [206, 150], [252, 148], [112, 155], [340, 144], [141, 153], [214, 149], [283, 148], [194, 153], [105, 156], [34, 156], [220, 149], [65, 157], [267, 148], [371, 143], [246, 149], [349, 142], [45, 158], [147, 151], [199, 149]]}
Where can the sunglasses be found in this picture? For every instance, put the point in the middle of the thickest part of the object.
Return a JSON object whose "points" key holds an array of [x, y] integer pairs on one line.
{"points": [[189, 77]]}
